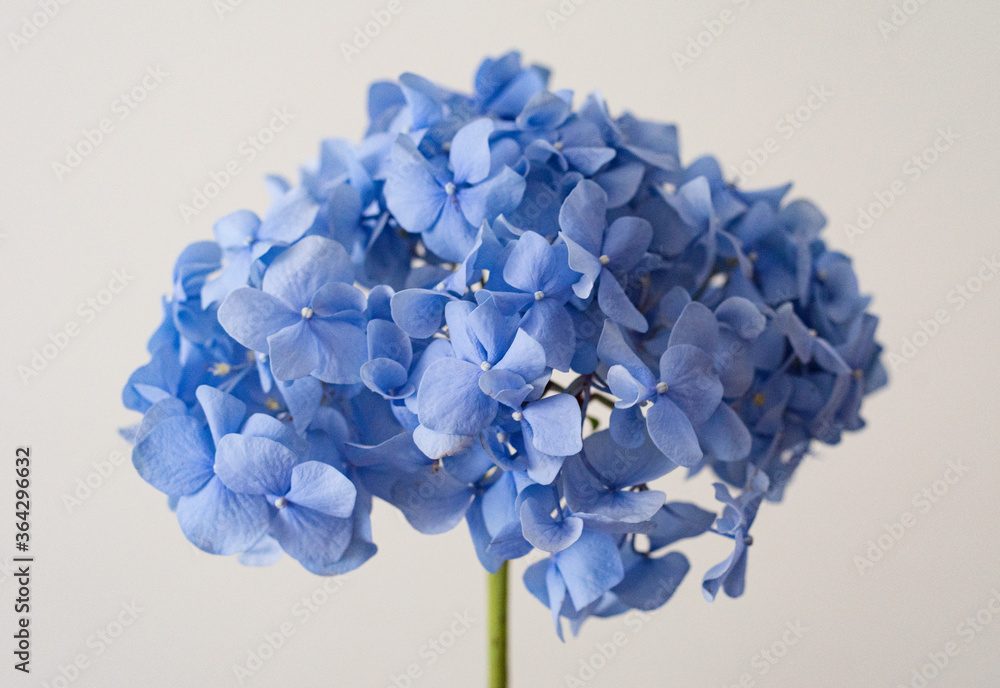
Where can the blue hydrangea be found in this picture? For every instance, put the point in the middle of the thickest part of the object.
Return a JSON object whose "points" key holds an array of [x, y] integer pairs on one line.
{"points": [[504, 309]]}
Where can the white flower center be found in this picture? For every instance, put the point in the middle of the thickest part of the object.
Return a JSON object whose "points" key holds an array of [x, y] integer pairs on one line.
{"points": [[539, 295], [604, 260], [307, 312], [517, 415], [485, 365], [558, 145], [662, 387], [281, 502], [449, 188]]}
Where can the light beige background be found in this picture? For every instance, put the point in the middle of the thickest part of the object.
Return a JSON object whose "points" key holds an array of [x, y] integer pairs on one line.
{"points": [[60, 240]]}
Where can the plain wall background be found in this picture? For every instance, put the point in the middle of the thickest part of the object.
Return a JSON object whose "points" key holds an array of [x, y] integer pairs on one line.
{"points": [[60, 240]]}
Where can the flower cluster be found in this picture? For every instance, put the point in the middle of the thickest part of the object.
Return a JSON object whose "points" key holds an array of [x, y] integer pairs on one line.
{"points": [[441, 317]]}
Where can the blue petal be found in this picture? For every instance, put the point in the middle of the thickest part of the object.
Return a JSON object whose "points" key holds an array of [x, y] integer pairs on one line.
{"points": [[249, 315], [614, 350], [219, 521], [297, 274], [419, 311], [387, 340], [672, 432], [549, 324], [386, 377], [544, 532], [499, 508], [342, 351], [626, 242], [616, 305], [293, 351], [432, 501], [452, 236], [412, 192], [584, 262], [360, 548], [315, 539], [692, 381], [590, 567], [621, 467], [724, 436], [303, 398], [491, 330], [470, 151], [233, 231], [543, 111], [451, 401], [524, 356], [264, 552], [174, 456], [649, 583], [555, 424], [679, 520], [505, 386], [731, 573], [481, 537], [470, 465], [741, 315], [225, 413], [698, 327], [583, 217], [337, 297], [438, 348], [233, 276], [621, 183], [463, 338], [541, 467], [499, 194], [264, 425], [322, 488], [527, 262], [588, 159], [399, 450], [289, 217], [555, 592], [254, 465], [627, 425], [437, 445]]}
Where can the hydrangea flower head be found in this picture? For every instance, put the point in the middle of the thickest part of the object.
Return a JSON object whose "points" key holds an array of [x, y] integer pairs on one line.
{"points": [[503, 308]]}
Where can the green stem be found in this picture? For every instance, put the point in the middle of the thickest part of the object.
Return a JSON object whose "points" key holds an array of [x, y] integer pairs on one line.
{"points": [[497, 607]]}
